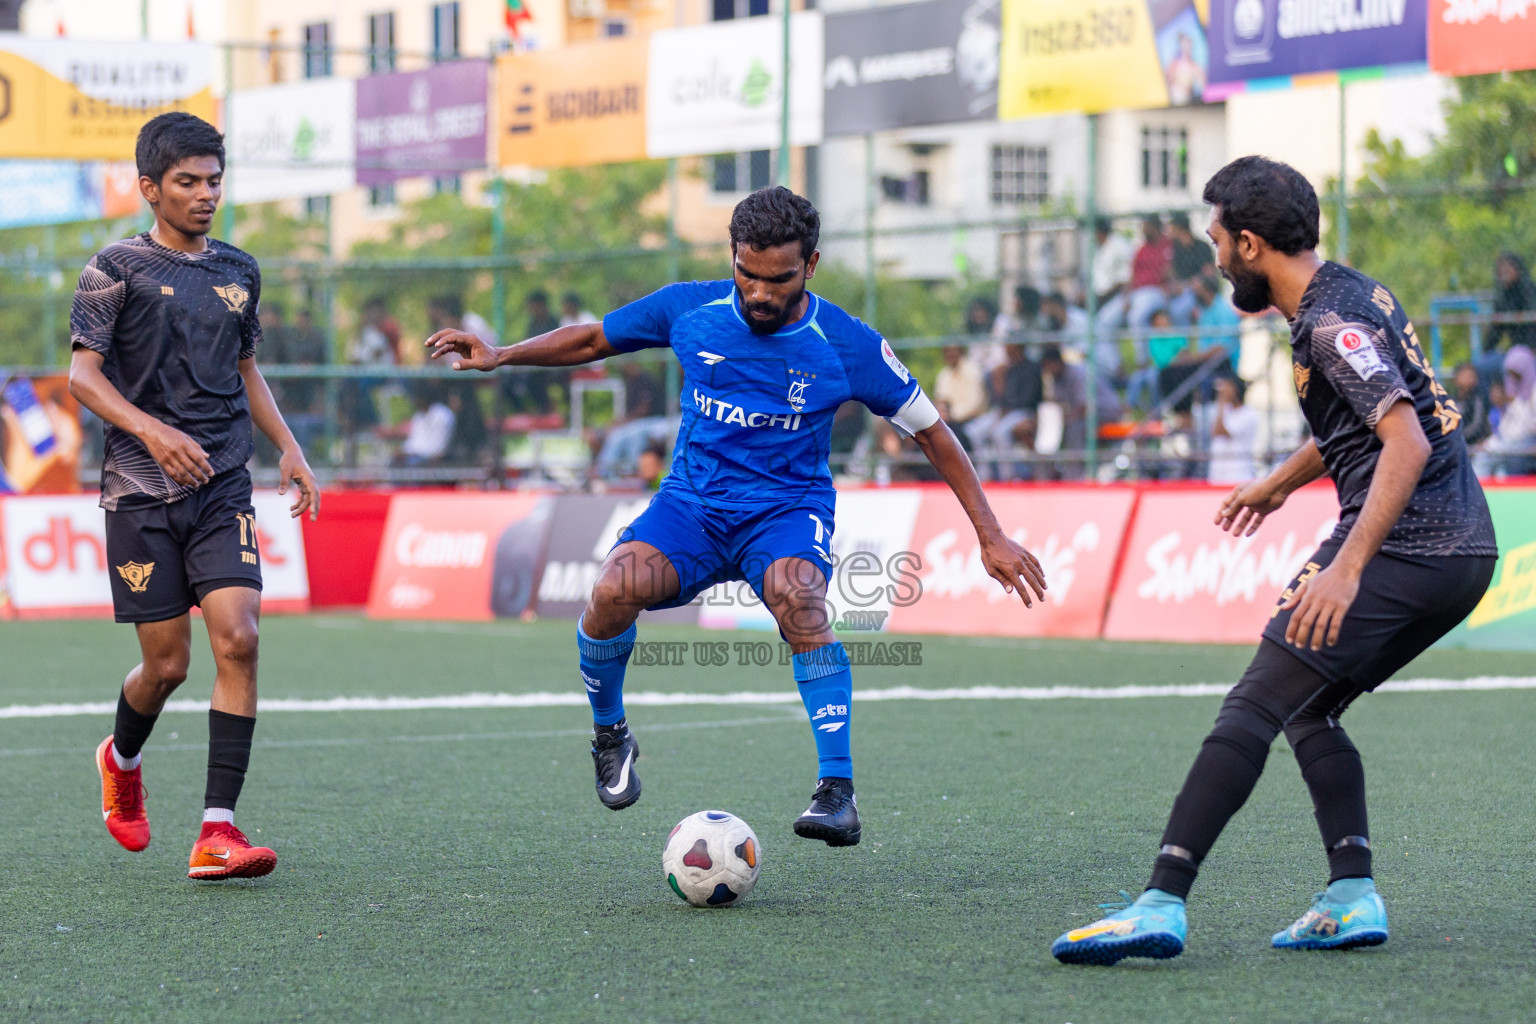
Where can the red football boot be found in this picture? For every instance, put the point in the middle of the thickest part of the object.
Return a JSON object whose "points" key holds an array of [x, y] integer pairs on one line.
{"points": [[222, 851], [122, 800]]}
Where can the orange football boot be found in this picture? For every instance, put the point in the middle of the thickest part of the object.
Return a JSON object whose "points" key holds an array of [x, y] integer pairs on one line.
{"points": [[122, 800], [222, 851]]}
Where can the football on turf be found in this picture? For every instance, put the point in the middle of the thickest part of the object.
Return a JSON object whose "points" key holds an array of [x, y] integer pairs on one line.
{"points": [[711, 859]]}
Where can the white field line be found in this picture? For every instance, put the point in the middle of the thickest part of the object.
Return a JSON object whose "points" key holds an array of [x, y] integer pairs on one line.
{"points": [[478, 701]]}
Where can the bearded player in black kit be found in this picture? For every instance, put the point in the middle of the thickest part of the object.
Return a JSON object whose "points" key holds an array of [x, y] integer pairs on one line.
{"points": [[164, 330], [1413, 554]]}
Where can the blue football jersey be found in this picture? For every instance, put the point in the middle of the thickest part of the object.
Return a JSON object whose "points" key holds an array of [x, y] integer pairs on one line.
{"points": [[757, 408]]}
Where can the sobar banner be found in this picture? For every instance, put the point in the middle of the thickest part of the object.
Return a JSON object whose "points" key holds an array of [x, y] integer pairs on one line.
{"points": [[573, 107]]}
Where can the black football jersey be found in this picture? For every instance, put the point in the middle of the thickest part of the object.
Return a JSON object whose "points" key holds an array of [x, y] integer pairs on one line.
{"points": [[172, 327], [1355, 355]]}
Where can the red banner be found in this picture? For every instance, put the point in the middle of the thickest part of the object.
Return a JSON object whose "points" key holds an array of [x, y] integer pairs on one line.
{"points": [[453, 555], [1075, 532], [1479, 37], [1185, 581]]}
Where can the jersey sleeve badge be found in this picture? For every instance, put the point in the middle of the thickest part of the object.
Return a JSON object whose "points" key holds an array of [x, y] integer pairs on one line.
{"points": [[1354, 344], [895, 364]]}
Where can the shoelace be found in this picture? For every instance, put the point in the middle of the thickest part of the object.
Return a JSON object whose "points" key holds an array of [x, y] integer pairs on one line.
{"points": [[1115, 906], [128, 794]]}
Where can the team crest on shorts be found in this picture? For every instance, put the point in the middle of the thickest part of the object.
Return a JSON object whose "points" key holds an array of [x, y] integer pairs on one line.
{"points": [[136, 575], [233, 295]]}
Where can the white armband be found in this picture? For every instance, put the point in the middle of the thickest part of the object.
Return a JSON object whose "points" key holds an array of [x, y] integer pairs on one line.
{"points": [[917, 415]]}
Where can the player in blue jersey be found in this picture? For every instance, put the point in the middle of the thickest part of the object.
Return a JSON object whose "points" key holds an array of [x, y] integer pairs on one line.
{"points": [[766, 364]]}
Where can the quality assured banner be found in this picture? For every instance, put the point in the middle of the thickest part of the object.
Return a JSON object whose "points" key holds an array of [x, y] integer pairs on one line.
{"points": [[67, 100], [915, 64], [1481, 37], [1065, 56], [572, 107], [718, 88], [416, 123], [1185, 581], [1274, 38], [290, 141]]}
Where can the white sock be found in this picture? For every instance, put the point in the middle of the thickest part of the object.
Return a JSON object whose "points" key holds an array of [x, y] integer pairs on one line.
{"points": [[224, 814], [126, 764]]}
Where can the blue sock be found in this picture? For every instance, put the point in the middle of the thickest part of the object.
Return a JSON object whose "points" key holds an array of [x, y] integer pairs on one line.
{"points": [[1347, 890], [602, 670], [826, 687], [1158, 898]]}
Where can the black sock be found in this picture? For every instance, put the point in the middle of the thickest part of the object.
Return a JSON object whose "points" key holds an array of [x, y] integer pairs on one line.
{"points": [[617, 728], [131, 729], [229, 753], [1219, 782], [1331, 766]]}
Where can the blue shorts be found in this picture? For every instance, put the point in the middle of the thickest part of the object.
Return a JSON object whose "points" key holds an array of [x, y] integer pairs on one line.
{"points": [[714, 545]]}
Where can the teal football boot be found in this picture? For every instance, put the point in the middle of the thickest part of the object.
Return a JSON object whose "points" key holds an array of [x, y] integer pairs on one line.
{"points": [[1153, 926], [1338, 924]]}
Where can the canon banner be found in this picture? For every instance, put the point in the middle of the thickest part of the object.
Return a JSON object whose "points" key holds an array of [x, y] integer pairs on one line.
{"points": [[1481, 37], [1276, 38], [914, 64], [416, 123]]}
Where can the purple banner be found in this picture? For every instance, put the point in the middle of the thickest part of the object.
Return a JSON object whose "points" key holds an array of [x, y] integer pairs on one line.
{"points": [[422, 123], [1274, 38]]}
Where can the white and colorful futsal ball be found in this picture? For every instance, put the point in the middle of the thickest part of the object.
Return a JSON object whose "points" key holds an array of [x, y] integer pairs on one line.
{"points": [[711, 859]]}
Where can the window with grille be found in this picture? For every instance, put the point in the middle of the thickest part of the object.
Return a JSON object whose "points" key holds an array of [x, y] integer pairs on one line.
{"points": [[318, 52], [725, 10], [381, 195], [1165, 158], [381, 42], [742, 172], [1021, 175], [450, 183], [445, 31], [317, 207]]}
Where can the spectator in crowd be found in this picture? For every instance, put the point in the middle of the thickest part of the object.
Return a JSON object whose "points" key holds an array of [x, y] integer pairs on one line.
{"points": [[1218, 322], [430, 428], [274, 333], [1010, 422], [1514, 293], [960, 392], [645, 421], [1234, 431], [1066, 384], [300, 345], [1069, 326], [652, 465], [377, 337], [1111, 262], [1134, 304], [1473, 402], [469, 444], [1192, 262], [1164, 344], [644, 396], [980, 316], [1510, 449], [572, 313], [540, 319], [306, 344]]}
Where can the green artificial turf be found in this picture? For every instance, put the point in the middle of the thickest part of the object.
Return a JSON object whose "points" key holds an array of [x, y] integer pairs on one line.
{"points": [[455, 865]]}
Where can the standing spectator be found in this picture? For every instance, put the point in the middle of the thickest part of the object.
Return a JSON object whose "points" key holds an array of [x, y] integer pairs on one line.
{"points": [[274, 333], [1010, 422], [960, 392], [1066, 384], [572, 313], [1134, 305], [468, 444], [1111, 262], [540, 319], [1473, 402], [376, 339], [430, 429], [1193, 261], [447, 311], [980, 316], [1234, 429], [1218, 322], [306, 342], [1512, 448], [652, 465], [1070, 326], [1514, 292]]}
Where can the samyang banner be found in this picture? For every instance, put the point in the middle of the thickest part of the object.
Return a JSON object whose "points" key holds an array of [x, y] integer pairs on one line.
{"points": [[1481, 37], [934, 62], [67, 100], [1067, 56], [1278, 38], [416, 123]]}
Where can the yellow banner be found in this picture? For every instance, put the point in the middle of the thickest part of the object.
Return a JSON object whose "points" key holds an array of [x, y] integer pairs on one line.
{"points": [[1063, 56], [572, 107], [67, 100]]}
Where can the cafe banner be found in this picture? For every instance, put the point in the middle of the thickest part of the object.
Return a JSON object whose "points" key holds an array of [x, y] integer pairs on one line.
{"points": [[290, 141], [572, 107], [913, 64], [67, 100], [1256, 39], [422, 123], [1481, 37], [1066, 56]]}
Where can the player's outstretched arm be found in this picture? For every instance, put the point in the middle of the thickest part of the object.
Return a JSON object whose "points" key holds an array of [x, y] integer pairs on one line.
{"points": [[292, 467], [564, 346], [1244, 510], [1005, 561], [182, 458]]}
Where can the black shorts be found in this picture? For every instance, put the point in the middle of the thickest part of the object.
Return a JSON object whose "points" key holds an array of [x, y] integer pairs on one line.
{"points": [[165, 558], [1405, 604]]}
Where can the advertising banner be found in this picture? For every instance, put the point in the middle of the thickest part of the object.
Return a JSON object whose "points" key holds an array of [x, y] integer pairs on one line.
{"points": [[1074, 532], [1276, 38], [459, 556], [63, 191], [718, 88], [934, 62], [572, 107], [589, 526], [1506, 617], [55, 555], [1183, 580], [415, 123], [291, 141], [1481, 37], [40, 436], [1065, 56], [67, 100]]}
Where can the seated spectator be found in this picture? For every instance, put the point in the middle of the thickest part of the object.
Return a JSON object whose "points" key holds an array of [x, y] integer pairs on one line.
{"points": [[1234, 431], [1134, 305], [960, 392], [652, 465], [1111, 262], [1218, 322], [644, 396], [1473, 402], [1070, 326], [307, 345], [274, 333], [470, 442], [377, 337], [540, 319], [572, 312], [1010, 422], [980, 316], [1164, 344], [1066, 384], [430, 428], [1192, 261], [1511, 450]]}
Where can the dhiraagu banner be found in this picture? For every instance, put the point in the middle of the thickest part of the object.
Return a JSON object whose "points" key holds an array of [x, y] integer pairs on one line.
{"points": [[67, 100], [1506, 617], [1064, 56]]}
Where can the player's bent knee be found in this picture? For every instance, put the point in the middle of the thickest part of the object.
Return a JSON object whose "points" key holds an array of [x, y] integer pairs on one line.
{"points": [[167, 671], [237, 645]]}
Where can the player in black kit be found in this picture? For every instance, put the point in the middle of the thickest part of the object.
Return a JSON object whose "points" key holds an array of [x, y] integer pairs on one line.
{"points": [[164, 330], [1413, 553]]}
